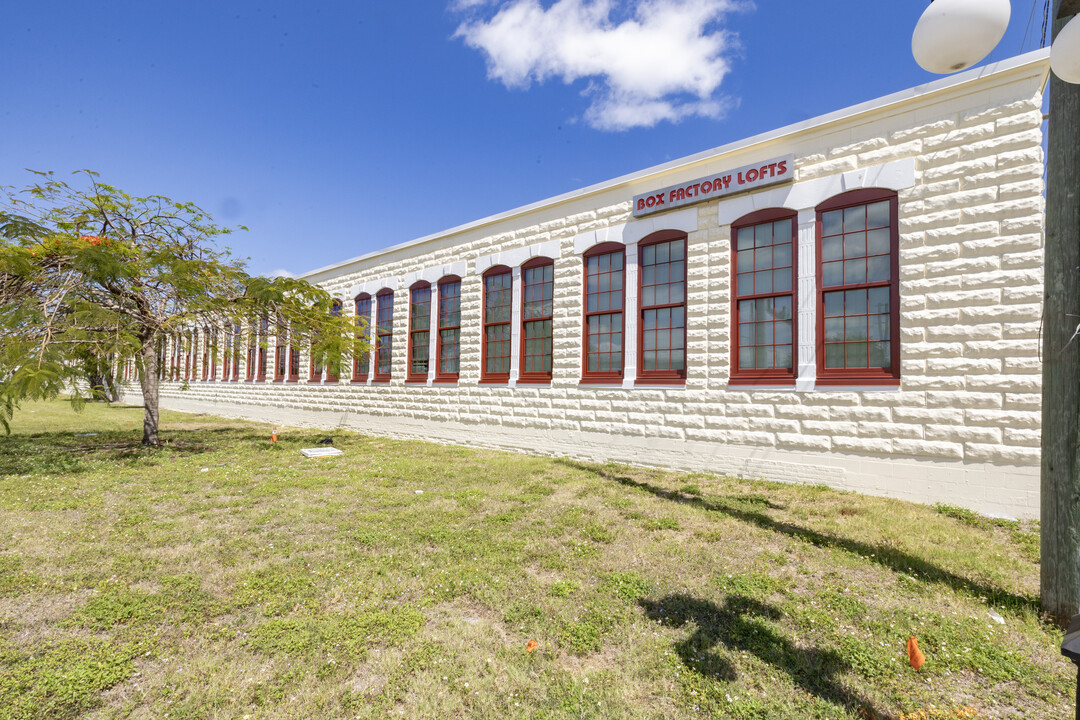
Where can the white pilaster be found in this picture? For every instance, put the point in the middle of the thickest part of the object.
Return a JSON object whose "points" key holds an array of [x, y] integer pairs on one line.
{"points": [[515, 324], [433, 334], [630, 315], [806, 297]]}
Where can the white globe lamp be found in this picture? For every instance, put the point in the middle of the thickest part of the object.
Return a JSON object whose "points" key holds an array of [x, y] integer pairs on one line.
{"points": [[955, 34], [1065, 54]]}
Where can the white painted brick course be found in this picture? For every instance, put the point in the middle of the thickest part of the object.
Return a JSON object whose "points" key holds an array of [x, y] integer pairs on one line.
{"points": [[934, 128], [930, 449], [1026, 401]]}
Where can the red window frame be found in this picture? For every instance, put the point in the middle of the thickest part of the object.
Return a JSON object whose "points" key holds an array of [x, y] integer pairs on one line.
{"points": [[227, 357], [264, 333], [252, 352], [666, 376], [294, 360], [384, 333], [205, 355], [362, 361], [503, 273], [449, 321], [419, 325], [315, 366], [333, 369], [236, 353], [212, 334], [848, 201], [542, 304], [281, 353], [189, 371], [603, 376], [763, 376]]}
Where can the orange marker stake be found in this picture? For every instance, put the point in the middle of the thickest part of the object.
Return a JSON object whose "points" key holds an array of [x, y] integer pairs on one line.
{"points": [[915, 656], [273, 435]]}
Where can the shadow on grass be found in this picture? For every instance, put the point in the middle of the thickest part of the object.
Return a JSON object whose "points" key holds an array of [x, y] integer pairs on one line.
{"points": [[741, 624], [71, 453], [883, 555]]}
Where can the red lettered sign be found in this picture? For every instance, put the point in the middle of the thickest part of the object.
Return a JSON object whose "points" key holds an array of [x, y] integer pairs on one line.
{"points": [[748, 177]]}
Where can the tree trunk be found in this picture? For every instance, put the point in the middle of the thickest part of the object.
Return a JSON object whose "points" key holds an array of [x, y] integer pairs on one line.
{"points": [[149, 382], [98, 387], [1060, 490], [112, 389]]}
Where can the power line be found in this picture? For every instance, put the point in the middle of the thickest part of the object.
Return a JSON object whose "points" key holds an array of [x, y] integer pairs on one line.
{"points": [[1046, 20], [1027, 30]]}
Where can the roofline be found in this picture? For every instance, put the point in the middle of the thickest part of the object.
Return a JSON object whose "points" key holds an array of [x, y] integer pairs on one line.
{"points": [[1016, 63]]}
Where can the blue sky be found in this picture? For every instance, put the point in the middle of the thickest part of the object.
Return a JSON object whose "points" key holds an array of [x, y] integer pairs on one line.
{"points": [[331, 129]]}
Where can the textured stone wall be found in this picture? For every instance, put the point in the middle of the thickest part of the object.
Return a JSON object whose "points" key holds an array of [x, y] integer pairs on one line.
{"points": [[962, 428]]}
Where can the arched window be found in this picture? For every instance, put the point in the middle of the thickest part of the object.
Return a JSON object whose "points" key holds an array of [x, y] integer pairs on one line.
{"points": [[662, 308], [384, 334], [264, 333], [162, 359], [605, 297], [858, 300], [281, 351], [227, 357], [252, 351], [321, 371], [419, 331], [236, 331], [316, 364], [537, 301], [203, 342], [763, 250], [448, 350], [192, 341], [294, 357], [177, 353], [204, 352], [498, 313], [362, 360], [333, 368], [212, 335]]}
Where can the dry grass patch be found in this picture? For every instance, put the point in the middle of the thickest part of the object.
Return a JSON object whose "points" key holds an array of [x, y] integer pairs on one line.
{"points": [[223, 576]]}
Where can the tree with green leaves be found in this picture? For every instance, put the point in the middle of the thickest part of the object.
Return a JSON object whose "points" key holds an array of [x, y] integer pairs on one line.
{"points": [[89, 271]]}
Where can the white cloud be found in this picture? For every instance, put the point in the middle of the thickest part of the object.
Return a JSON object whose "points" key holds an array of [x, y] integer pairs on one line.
{"points": [[466, 4], [281, 273], [660, 60]]}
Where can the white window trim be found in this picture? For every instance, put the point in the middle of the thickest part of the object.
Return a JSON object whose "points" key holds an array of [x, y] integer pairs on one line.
{"points": [[631, 233], [807, 195], [435, 274], [518, 256], [372, 288]]}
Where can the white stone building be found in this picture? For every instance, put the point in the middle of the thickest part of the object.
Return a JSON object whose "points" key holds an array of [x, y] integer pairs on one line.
{"points": [[852, 300]]}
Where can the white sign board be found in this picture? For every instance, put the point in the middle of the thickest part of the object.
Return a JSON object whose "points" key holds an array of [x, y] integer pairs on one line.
{"points": [[743, 179]]}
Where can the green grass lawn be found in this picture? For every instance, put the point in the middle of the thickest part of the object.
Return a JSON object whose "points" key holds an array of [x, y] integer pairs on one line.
{"points": [[225, 577]]}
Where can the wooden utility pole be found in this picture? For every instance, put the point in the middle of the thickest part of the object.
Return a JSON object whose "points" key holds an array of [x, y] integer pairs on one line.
{"points": [[1060, 581]]}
